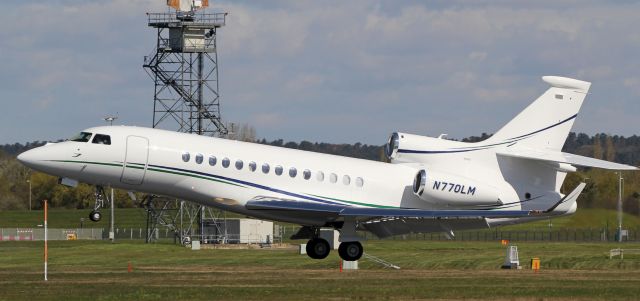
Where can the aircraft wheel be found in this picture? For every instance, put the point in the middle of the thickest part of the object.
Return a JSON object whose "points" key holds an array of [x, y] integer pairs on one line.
{"points": [[95, 216], [350, 250], [318, 248]]}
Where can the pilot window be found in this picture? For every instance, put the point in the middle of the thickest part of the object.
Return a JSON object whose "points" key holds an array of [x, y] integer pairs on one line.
{"points": [[82, 137], [102, 139]]}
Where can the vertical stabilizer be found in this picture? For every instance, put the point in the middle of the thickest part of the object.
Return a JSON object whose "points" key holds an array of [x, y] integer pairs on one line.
{"points": [[547, 121]]}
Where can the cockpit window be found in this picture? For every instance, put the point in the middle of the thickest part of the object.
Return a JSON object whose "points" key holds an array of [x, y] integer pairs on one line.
{"points": [[82, 137], [102, 139]]}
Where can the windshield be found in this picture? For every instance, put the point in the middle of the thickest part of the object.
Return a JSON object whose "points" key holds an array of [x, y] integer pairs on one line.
{"points": [[82, 137]]}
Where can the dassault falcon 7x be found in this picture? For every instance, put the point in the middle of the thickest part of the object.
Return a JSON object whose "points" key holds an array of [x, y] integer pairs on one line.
{"points": [[430, 184]]}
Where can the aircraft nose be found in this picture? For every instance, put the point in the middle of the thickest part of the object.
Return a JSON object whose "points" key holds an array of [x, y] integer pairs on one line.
{"points": [[28, 158]]}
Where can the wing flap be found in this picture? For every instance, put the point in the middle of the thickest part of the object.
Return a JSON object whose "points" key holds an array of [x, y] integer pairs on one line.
{"points": [[560, 157]]}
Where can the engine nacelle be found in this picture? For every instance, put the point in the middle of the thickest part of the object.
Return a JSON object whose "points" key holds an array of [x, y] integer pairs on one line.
{"points": [[403, 147], [446, 189]]}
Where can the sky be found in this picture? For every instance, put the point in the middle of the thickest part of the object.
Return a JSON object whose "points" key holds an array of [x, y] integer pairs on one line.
{"points": [[326, 71]]}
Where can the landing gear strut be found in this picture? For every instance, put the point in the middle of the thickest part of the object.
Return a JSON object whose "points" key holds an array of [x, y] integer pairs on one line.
{"points": [[95, 214]]}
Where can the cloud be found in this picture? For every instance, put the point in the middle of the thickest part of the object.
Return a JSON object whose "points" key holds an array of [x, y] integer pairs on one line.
{"points": [[333, 71]]}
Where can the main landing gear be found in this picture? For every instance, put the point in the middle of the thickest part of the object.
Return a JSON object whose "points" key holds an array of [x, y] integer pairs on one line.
{"points": [[350, 248], [318, 248], [95, 215]]}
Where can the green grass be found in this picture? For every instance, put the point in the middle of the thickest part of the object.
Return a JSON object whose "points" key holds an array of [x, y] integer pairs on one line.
{"points": [[97, 270], [583, 219], [136, 217]]}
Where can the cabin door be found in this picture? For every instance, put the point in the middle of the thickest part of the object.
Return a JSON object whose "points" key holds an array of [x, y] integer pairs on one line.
{"points": [[135, 160]]}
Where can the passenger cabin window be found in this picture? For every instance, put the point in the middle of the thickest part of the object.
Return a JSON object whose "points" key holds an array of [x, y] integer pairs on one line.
{"points": [[265, 168], [212, 160], [186, 156], [239, 164], [293, 172], [82, 137], [101, 139], [226, 162], [199, 158], [306, 174], [252, 166], [359, 182], [320, 176], [346, 180], [279, 170], [333, 178]]}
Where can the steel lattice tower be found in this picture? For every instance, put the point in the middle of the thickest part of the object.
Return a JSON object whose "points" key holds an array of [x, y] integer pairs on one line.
{"points": [[184, 69]]}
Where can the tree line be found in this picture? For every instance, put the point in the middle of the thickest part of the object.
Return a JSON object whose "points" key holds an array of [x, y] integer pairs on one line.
{"points": [[601, 190]]}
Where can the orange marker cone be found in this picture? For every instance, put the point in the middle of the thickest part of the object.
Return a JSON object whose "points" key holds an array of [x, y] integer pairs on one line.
{"points": [[129, 267]]}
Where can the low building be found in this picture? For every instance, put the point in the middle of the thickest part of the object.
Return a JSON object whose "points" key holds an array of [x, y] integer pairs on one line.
{"points": [[238, 231]]}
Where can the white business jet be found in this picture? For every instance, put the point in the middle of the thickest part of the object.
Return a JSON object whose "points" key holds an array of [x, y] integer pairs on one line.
{"points": [[431, 184]]}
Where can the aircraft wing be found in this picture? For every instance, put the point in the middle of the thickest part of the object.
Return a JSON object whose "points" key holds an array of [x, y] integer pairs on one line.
{"points": [[336, 210], [560, 157]]}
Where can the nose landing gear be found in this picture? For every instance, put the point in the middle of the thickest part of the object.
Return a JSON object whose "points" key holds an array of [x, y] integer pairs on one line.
{"points": [[95, 215]]}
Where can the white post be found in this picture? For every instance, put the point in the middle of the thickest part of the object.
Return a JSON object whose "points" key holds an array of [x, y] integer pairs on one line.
{"points": [[46, 247], [29, 181], [619, 206], [111, 233]]}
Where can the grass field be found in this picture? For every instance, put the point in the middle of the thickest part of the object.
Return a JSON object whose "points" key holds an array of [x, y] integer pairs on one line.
{"points": [[136, 217], [97, 270]]}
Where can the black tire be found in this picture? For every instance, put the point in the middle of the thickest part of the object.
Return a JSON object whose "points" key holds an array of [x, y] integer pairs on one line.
{"points": [[350, 251], [318, 248], [95, 216]]}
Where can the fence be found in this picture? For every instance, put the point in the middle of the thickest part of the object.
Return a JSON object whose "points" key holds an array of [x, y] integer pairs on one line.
{"points": [[28, 234], [282, 233]]}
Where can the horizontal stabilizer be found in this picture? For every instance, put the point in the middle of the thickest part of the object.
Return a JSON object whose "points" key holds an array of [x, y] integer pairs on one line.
{"points": [[560, 157], [567, 205]]}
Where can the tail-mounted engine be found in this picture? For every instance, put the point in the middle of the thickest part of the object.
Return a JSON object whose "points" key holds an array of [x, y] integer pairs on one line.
{"points": [[446, 189]]}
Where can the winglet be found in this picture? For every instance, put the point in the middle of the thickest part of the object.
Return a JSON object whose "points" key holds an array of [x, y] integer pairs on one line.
{"points": [[566, 205]]}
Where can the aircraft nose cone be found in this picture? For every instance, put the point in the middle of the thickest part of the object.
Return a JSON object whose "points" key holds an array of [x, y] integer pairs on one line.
{"points": [[27, 158]]}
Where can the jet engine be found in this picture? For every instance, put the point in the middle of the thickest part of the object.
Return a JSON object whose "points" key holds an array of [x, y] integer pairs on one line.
{"points": [[403, 147], [446, 189]]}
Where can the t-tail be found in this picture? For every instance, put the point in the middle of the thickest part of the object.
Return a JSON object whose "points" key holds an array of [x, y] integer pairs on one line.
{"points": [[546, 123]]}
